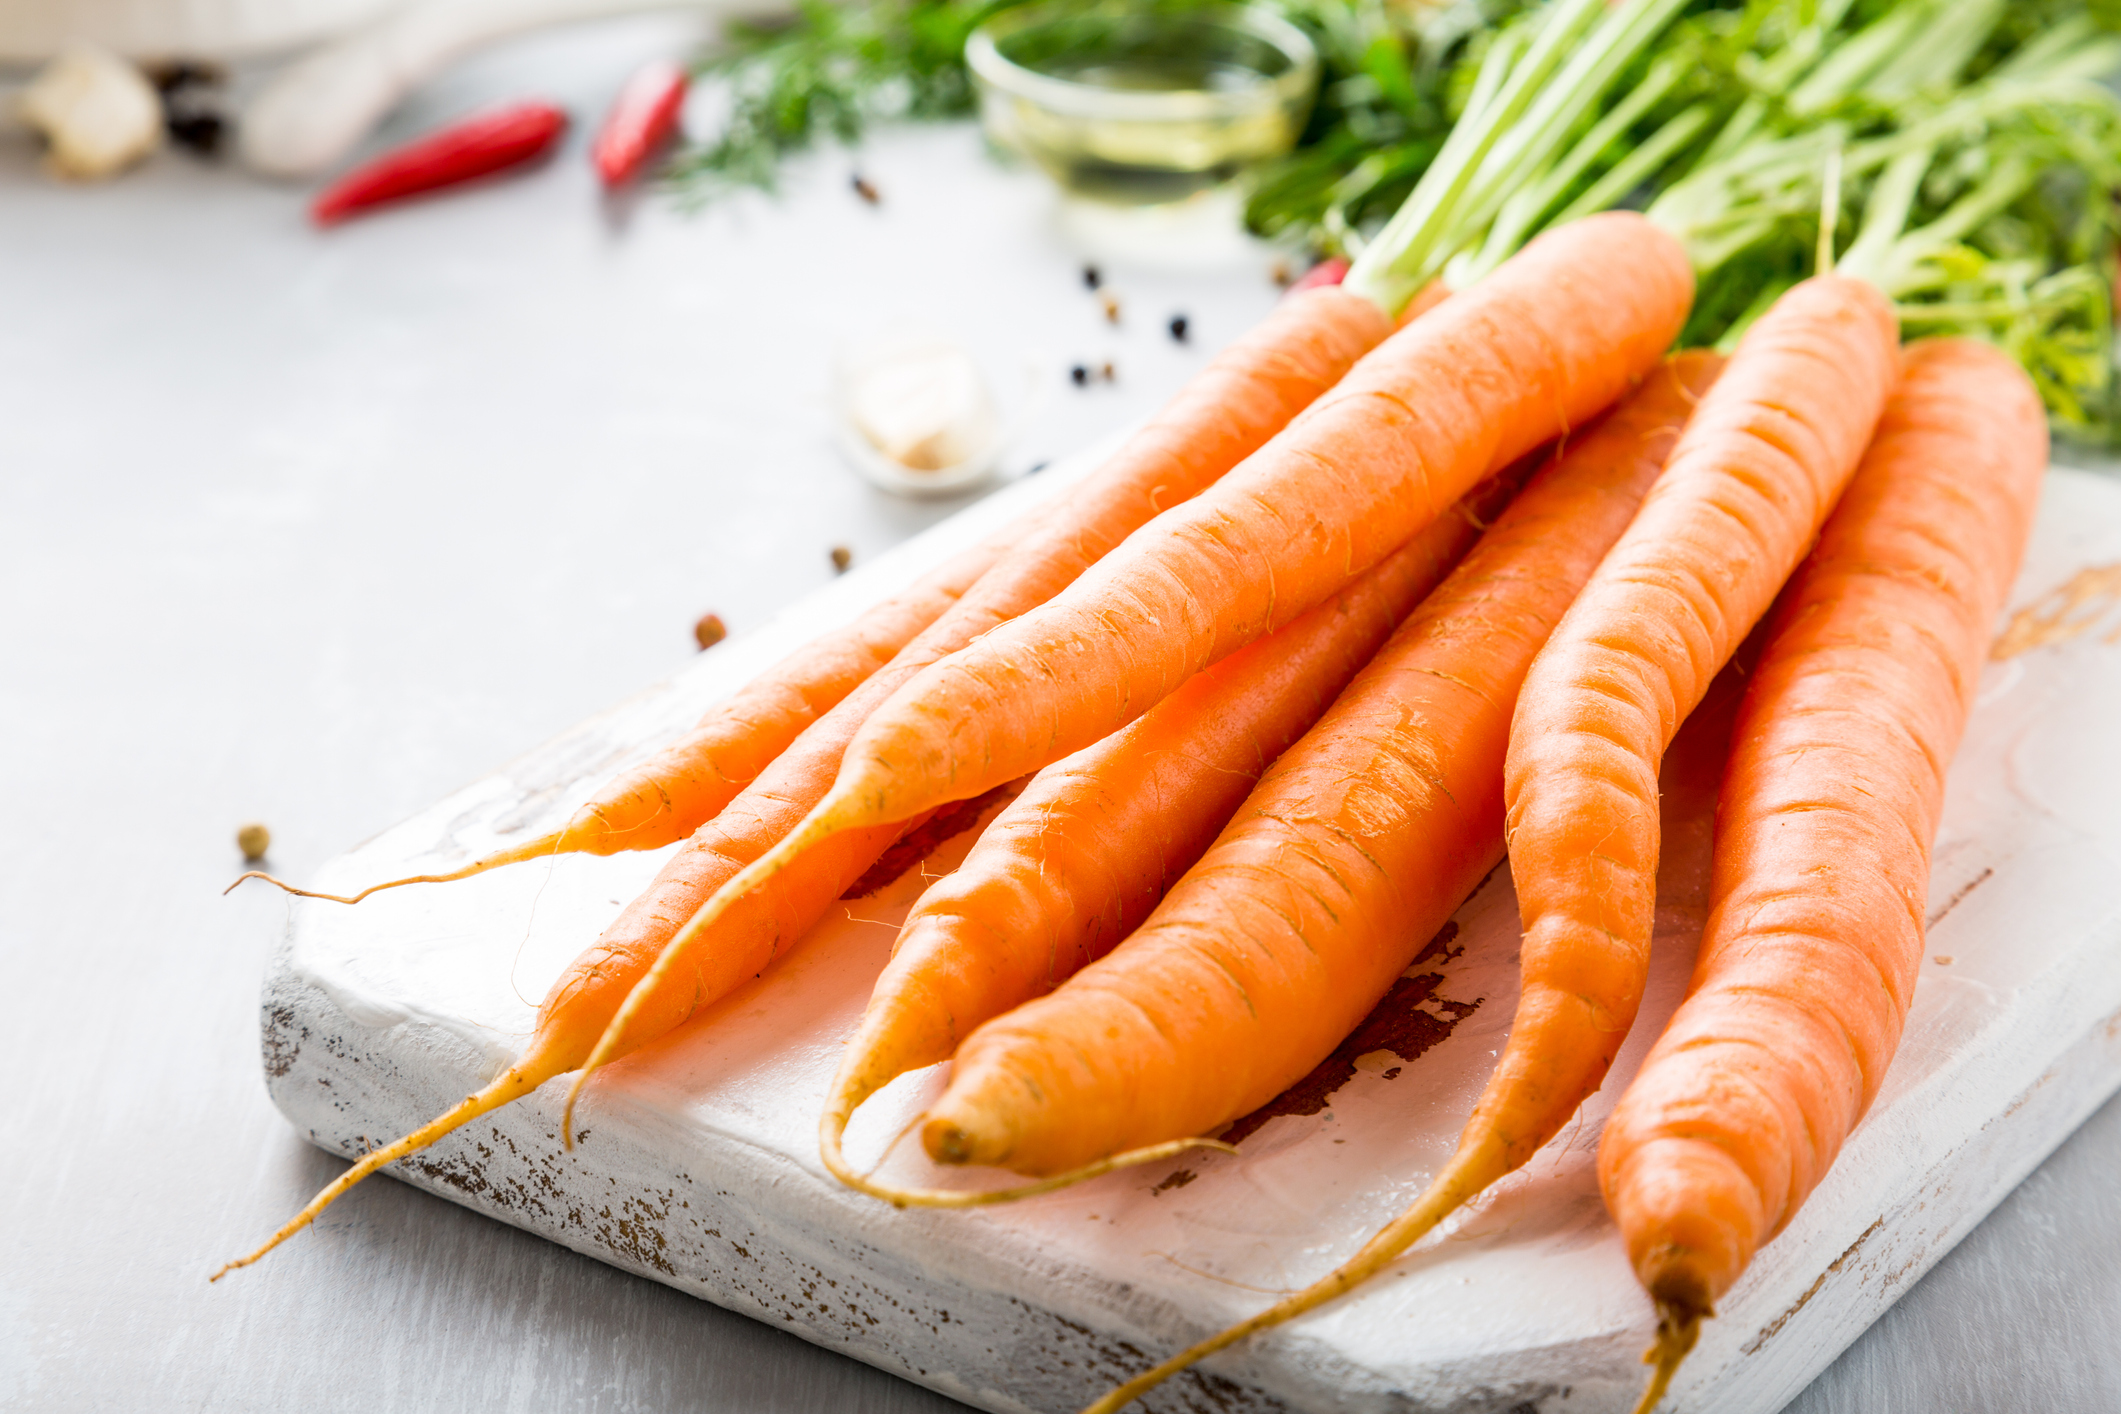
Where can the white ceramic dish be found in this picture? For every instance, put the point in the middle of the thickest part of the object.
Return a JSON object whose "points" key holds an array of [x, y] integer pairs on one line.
{"points": [[1010, 392]]}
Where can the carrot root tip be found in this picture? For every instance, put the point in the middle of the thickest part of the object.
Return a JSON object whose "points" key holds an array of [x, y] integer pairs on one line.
{"points": [[982, 1198], [948, 1144], [286, 887], [538, 848], [517, 1080], [1678, 1327]]}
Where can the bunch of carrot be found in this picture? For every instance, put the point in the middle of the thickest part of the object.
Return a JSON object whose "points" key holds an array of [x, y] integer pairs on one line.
{"points": [[1400, 579]]}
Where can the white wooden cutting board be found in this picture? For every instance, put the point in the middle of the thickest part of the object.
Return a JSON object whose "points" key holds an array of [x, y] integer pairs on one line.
{"points": [[699, 1166]]}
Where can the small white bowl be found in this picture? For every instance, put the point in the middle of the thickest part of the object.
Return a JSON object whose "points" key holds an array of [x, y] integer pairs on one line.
{"points": [[917, 414]]}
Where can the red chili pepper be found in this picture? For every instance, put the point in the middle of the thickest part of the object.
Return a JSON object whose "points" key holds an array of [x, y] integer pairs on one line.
{"points": [[642, 120], [1330, 271], [488, 142]]}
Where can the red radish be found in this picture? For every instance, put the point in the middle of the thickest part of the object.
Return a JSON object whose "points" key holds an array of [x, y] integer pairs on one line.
{"points": [[487, 142], [641, 121], [1330, 271]]}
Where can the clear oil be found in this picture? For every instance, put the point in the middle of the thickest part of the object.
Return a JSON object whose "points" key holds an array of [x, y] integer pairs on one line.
{"points": [[1110, 155]]}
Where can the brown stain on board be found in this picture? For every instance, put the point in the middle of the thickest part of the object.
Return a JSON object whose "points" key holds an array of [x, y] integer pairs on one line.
{"points": [[1396, 1024], [1958, 897], [280, 1038], [1833, 1269], [2070, 611]]}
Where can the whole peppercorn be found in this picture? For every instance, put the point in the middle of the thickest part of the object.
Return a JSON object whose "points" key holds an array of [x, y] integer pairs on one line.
{"points": [[709, 631], [1178, 327], [1080, 375], [842, 557], [253, 839], [192, 104]]}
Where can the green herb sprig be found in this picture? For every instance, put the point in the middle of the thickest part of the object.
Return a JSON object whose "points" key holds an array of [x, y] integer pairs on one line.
{"points": [[1981, 162], [831, 72]]}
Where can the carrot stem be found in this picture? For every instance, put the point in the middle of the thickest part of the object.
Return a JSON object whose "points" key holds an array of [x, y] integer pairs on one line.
{"points": [[1641, 163], [1499, 149], [1414, 244], [1520, 215], [1829, 210]]}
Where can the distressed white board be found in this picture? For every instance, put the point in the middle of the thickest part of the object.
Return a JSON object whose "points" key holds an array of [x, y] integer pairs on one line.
{"points": [[699, 1166]]}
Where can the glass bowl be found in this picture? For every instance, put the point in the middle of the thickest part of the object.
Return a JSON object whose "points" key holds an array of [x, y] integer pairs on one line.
{"points": [[1143, 103]]}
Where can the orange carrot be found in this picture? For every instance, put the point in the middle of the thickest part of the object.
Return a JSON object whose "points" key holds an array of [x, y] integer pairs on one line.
{"points": [[1749, 485], [1355, 848], [1083, 855], [1229, 409], [682, 786], [1753, 476], [678, 957], [1554, 335], [1823, 829]]}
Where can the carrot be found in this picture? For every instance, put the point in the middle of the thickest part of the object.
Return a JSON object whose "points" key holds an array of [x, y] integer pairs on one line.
{"points": [[1748, 485], [682, 786], [1355, 847], [1085, 853], [582, 1002], [682, 955], [1230, 408], [1554, 335], [1823, 829]]}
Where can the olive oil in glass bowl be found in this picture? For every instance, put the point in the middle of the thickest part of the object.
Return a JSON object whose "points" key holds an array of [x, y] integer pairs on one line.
{"points": [[1143, 103]]}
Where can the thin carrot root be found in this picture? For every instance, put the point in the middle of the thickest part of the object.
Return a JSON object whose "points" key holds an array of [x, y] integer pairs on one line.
{"points": [[1678, 1327], [538, 848], [832, 1131], [832, 814], [1469, 1171], [514, 1083]]}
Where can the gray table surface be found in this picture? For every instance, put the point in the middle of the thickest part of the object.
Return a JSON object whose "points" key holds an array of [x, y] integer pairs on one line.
{"points": [[312, 529]]}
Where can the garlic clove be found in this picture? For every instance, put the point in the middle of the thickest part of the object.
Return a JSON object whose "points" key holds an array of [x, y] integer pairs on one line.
{"points": [[923, 405], [97, 112]]}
